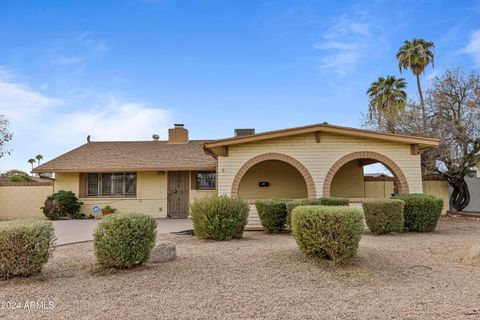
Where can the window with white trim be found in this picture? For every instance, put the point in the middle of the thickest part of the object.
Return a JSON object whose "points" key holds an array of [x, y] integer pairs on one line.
{"points": [[111, 184]]}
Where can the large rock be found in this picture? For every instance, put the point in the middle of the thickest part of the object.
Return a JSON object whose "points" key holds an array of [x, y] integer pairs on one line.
{"points": [[472, 256], [163, 252]]}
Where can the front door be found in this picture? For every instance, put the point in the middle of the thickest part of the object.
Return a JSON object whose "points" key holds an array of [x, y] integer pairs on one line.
{"points": [[178, 205]]}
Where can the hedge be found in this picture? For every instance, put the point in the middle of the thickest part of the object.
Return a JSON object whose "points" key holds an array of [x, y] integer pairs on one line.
{"points": [[124, 240], [219, 217], [421, 211], [327, 231], [25, 246], [272, 214], [325, 201], [384, 216]]}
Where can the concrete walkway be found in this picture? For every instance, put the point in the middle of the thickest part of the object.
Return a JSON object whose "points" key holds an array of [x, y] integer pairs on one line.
{"points": [[73, 231]]}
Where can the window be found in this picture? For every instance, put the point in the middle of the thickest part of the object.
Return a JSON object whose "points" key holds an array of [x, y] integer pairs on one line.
{"points": [[111, 184], [206, 180]]}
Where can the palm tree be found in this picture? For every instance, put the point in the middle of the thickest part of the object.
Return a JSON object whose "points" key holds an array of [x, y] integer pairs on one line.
{"points": [[416, 55], [39, 157], [387, 97], [31, 161]]}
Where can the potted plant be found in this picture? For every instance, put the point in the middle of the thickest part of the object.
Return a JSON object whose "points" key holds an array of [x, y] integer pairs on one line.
{"points": [[108, 210]]}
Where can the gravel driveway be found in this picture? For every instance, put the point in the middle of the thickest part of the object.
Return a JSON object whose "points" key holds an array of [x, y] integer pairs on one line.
{"points": [[404, 276]]}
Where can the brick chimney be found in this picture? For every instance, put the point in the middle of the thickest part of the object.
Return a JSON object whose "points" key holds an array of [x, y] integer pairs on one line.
{"points": [[178, 134]]}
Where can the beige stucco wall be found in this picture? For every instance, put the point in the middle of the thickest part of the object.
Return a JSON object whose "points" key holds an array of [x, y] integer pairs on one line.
{"points": [[285, 182], [151, 194], [318, 158], [348, 182], [378, 189], [19, 202], [437, 188]]}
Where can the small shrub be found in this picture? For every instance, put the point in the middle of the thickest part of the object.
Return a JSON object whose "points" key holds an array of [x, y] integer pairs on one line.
{"points": [[25, 246], [219, 217], [327, 231], [325, 201], [124, 240], [62, 204], [421, 211], [299, 202], [272, 214], [384, 215]]}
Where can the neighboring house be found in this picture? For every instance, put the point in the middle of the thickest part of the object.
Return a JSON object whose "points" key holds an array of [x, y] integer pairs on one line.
{"points": [[476, 169], [162, 177]]}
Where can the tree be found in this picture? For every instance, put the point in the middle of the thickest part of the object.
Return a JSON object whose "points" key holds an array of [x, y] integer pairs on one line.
{"points": [[15, 175], [387, 98], [453, 108], [5, 135], [39, 157], [31, 161], [416, 55]]}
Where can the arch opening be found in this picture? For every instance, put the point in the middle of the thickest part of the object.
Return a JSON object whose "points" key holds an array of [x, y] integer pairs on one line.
{"points": [[273, 175], [348, 178]]}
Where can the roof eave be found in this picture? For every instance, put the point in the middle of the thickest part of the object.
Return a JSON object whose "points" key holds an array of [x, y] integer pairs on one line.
{"points": [[85, 170], [423, 142]]}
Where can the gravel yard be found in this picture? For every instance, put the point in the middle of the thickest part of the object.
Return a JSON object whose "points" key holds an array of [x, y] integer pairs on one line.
{"points": [[403, 276]]}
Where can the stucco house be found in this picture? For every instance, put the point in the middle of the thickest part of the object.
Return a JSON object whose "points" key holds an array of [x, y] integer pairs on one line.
{"points": [[162, 178]]}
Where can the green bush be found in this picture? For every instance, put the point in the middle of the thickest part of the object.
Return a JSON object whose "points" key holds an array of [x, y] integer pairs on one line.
{"points": [[25, 246], [327, 231], [219, 217], [325, 201], [272, 214], [384, 216], [62, 204], [421, 212], [124, 240]]}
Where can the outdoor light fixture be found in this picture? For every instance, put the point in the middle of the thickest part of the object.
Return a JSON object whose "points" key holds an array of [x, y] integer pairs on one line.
{"points": [[263, 184]]}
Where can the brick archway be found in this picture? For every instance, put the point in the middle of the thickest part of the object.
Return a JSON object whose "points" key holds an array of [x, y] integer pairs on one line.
{"points": [[399, 177], [274, 156]]}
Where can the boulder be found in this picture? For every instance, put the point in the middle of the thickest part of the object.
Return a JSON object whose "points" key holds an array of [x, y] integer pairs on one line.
{"points": [[473, 256], [163, 252]]}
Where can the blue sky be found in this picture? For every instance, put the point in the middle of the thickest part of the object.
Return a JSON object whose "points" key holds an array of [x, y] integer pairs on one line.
{"points": [[120, 70]]}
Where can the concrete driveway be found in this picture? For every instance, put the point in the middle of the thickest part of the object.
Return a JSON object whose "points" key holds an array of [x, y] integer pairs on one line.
{"points": [[73, 231]]}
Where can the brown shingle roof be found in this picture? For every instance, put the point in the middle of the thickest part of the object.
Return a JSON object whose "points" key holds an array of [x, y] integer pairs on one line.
{"points": [[132, 156]]}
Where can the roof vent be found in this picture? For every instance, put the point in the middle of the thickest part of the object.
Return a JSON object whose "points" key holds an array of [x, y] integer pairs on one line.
{"points": [[244, 132], [155, 137], [178, 125]]}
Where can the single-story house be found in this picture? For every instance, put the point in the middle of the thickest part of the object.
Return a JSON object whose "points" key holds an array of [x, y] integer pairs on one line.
{"points": [[162, 178]]}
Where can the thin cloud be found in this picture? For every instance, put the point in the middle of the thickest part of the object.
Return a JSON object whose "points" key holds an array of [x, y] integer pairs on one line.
{"points": [[473, 47], [52, 125], [344, 43]]}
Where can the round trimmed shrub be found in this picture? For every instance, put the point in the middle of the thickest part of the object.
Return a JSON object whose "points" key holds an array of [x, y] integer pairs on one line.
{"points": [[62, 204], [299, 202], [328, 201], [324, 201], [219, 217], [384, 215], [124, 240], [25, 246], [272, 214], [421, 211], [327, 231]]}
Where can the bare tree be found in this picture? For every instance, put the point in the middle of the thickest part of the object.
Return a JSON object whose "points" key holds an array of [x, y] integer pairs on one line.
{"points": [[5, 135], [453, 111]]}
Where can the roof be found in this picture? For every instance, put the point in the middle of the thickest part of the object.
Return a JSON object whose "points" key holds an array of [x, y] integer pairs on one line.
{"points": [[124, 156], [422, 142]]}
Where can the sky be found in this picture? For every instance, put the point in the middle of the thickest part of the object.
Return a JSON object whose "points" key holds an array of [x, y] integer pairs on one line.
{"points": [[124, 70]]}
